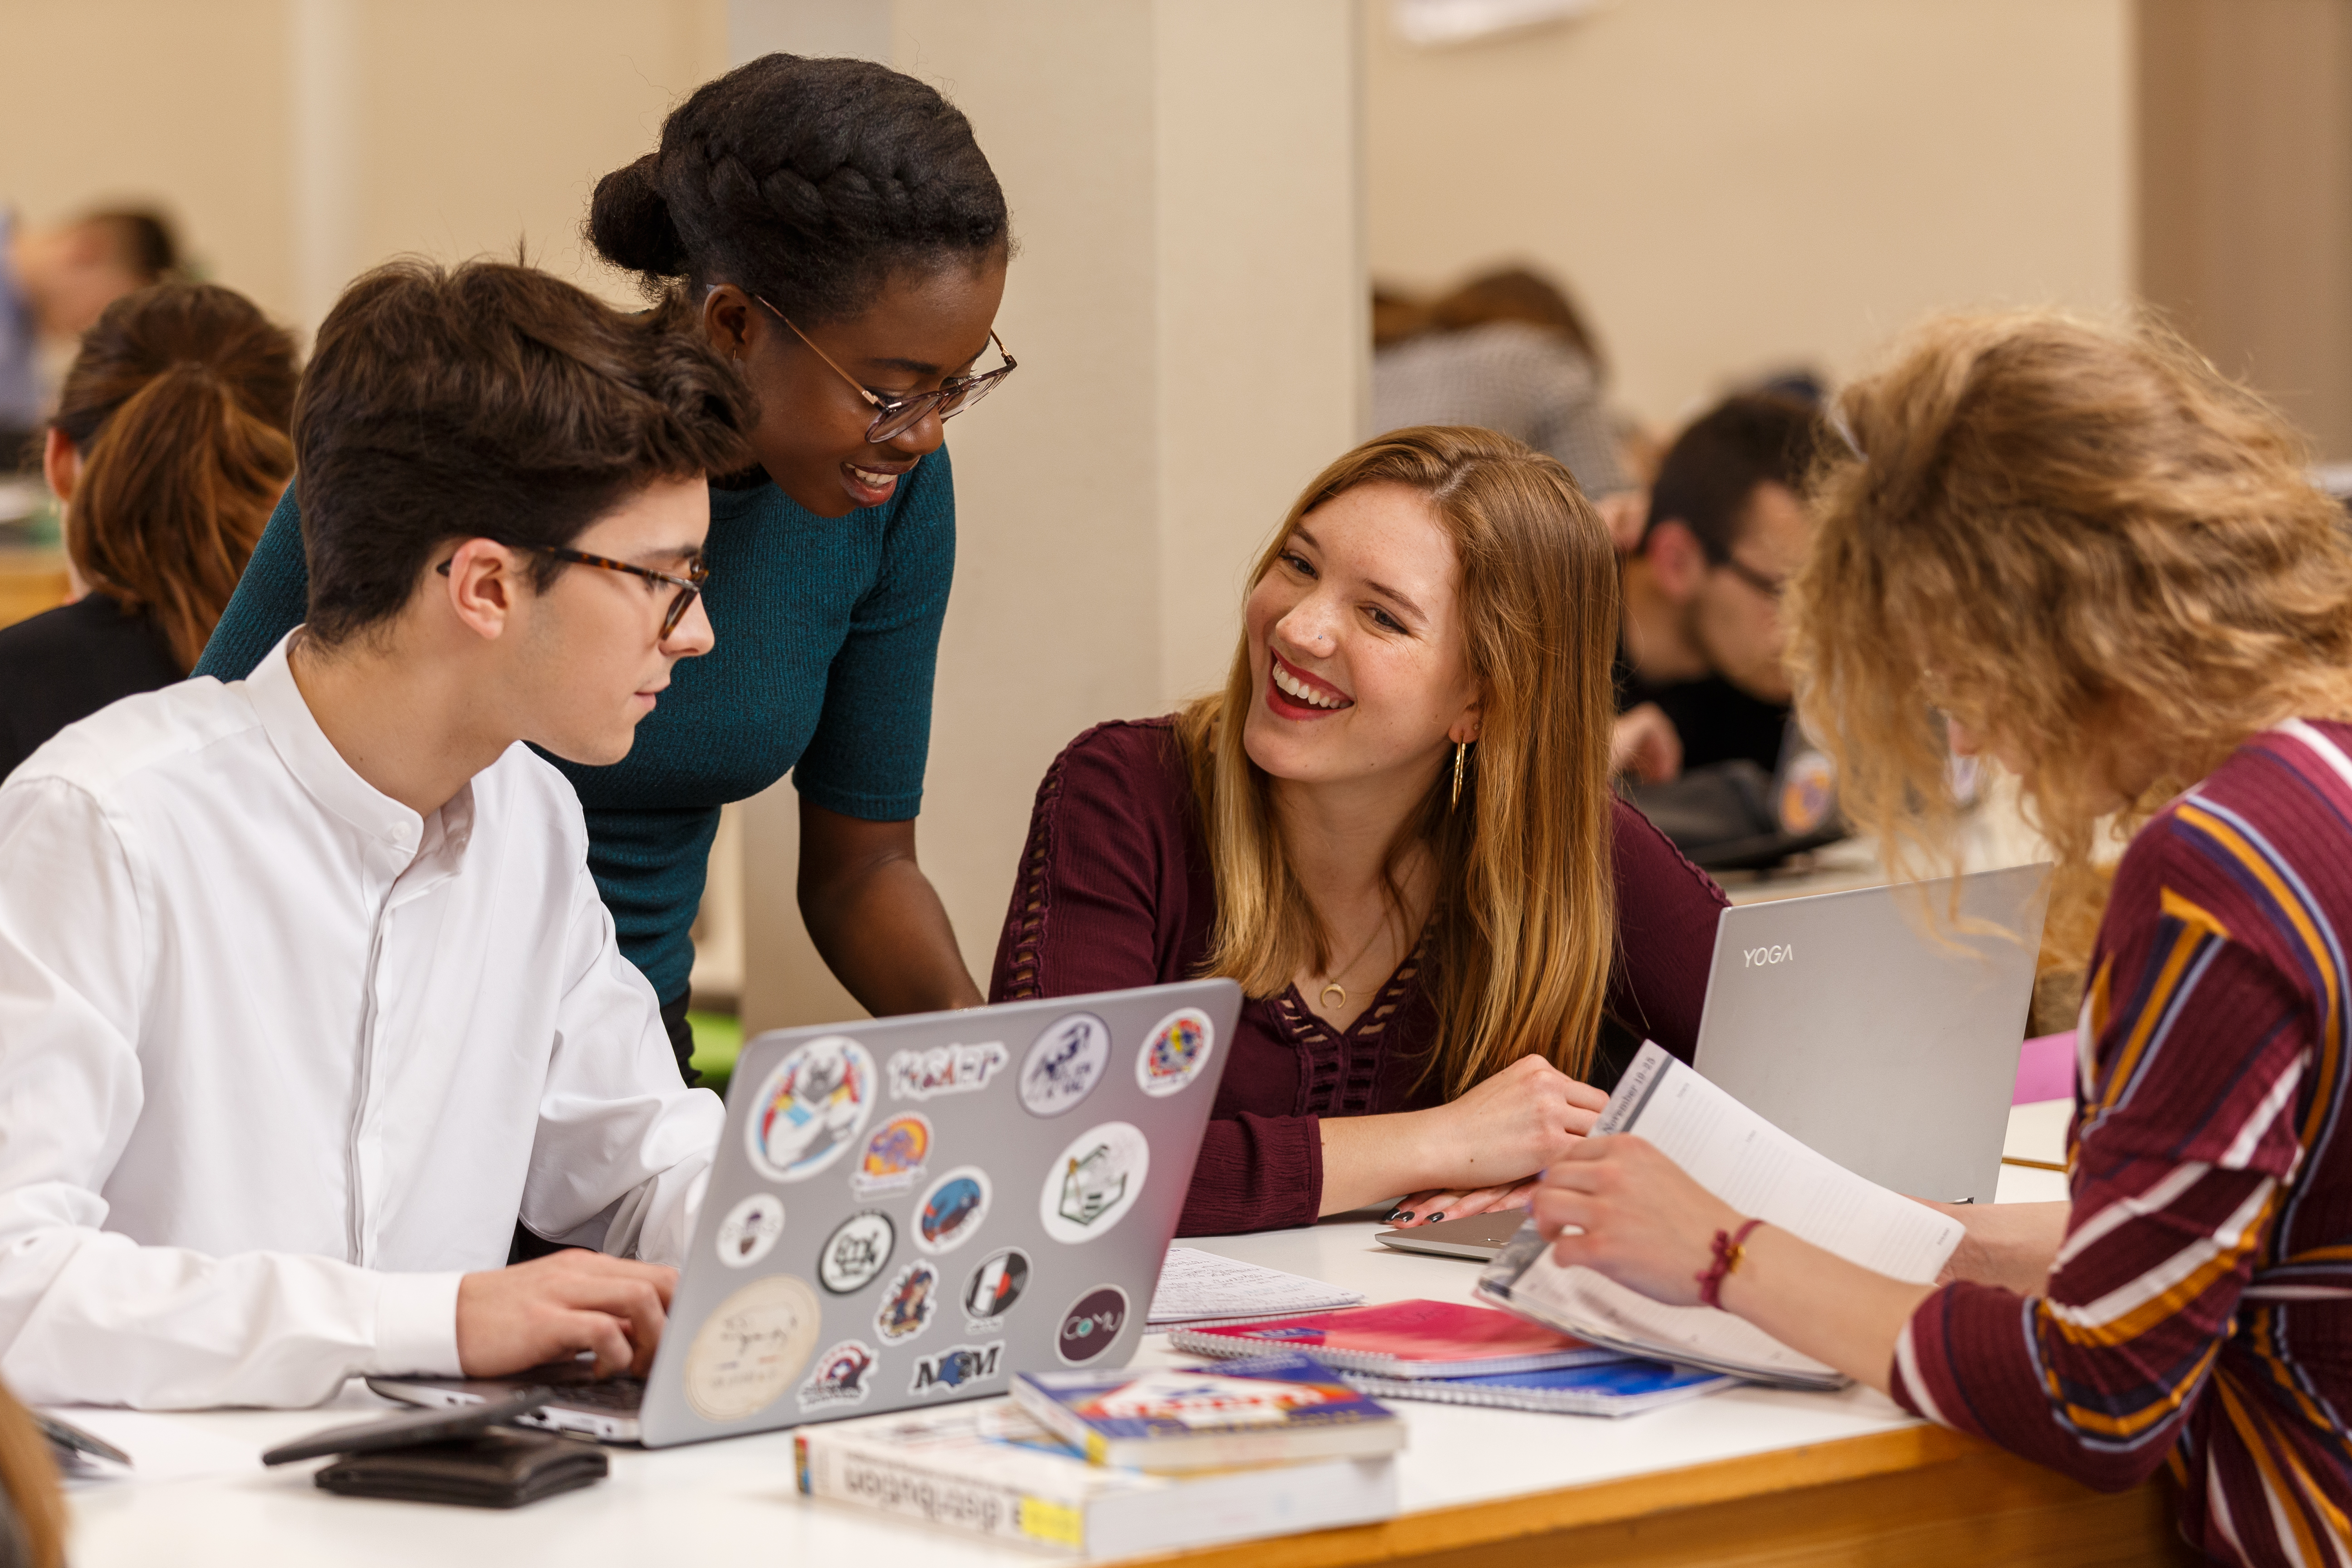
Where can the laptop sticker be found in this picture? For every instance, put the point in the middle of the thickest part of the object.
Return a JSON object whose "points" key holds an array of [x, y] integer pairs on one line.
{"points": [[1091, 1325], [957, 1367], [749, 1230], [909, 1304], [893, 1157], [1174, 1052], [751, 1349], [858, 1249], [1095, 1182], [993, 1286], [945, 1070], [1062, 1068], [840, 1377], [952, 1210], [811, 1109]]}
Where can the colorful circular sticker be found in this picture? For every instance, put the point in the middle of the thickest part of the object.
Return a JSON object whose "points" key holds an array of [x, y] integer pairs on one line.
{"points": [[748, 1351], [840, 1378], [1091, 1325], [856, 1252], [811, 1109], [952, 1209], [892, 1160], [1095, 1182], [749, 1230], [1064, 1065], [996, 1284], [1174, 1053], [1808, 791], [909, 1304]]}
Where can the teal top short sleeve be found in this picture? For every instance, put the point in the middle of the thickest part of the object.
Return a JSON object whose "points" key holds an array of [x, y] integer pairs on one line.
{"points": [[827, 642]]}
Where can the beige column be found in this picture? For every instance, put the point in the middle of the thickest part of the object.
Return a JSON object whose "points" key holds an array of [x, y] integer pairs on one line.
{"points": [[1187, 308]]}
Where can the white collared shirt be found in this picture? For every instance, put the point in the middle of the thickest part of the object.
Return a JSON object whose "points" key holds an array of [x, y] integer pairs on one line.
{"points": [[280, 1060]]}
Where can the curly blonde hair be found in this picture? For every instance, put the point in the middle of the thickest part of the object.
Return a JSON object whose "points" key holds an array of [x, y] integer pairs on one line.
{"points": [[2083, 542]]}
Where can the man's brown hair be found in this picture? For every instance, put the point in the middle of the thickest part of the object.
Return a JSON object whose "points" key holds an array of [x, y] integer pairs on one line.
{"points": [[488, 401]]}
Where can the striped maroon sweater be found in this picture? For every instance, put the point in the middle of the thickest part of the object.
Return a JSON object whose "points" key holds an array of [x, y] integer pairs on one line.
{"points": [[2198, 1315]]}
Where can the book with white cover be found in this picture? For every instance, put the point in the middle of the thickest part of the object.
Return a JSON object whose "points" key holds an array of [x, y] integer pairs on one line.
{"points": [[987, 1468], [1756, 1169]]}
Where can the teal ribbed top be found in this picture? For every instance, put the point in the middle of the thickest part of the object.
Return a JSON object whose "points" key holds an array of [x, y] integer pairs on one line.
{"points": [[828, 634]]}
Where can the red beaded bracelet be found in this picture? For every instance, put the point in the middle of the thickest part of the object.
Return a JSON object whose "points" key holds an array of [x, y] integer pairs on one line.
{"points": [[1729, 1249]]}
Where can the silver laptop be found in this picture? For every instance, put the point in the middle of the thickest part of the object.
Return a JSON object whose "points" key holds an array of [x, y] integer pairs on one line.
{"points": [[1852, 1021], [908, 1210]]}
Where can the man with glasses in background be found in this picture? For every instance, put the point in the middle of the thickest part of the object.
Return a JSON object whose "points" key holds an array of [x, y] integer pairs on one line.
{"points": [[306, 992], [1700, 678]]}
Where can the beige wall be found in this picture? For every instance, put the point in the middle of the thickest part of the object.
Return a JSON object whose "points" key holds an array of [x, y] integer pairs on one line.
{"points": [[1729, 185]]}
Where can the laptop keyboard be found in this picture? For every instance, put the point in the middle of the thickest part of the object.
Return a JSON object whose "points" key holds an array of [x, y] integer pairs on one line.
{"points": [[619, 1394]]}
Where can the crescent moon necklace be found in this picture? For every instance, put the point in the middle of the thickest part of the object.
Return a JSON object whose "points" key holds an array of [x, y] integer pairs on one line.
{"points": [[1332, 986]]}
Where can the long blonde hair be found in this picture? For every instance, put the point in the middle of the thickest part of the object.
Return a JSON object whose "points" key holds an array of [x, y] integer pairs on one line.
{"points": [[2080, 536], [1521, 939]]}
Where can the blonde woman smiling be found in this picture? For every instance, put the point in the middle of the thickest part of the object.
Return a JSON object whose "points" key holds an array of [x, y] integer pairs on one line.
{"points": [[1394, 828]]}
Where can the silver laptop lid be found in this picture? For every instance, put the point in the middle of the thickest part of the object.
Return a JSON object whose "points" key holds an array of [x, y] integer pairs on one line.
{"points": [[1884, 1040], [908, 1210]]}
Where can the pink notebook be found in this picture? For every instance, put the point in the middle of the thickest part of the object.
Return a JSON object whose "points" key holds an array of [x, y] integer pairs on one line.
{"points": [[1402, 1338]]}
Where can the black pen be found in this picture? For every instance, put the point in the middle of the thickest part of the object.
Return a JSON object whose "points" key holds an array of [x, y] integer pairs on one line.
{"points": [[69, 1440]]}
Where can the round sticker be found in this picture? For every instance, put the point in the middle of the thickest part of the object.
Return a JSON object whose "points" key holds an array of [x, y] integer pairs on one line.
{"points": [[856, 1252], [909, 1306], [1174, 1053], [952, 1209], [1095, 1182], [892, 1160], [840, 1376], [811, 1109], [748, 1351], [749, 1230], [996, 1284], [1091, 1325], [1062, 1068]]}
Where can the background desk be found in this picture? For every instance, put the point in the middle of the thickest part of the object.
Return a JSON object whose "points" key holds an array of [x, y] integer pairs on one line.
{"points": [[1754, 1475]]}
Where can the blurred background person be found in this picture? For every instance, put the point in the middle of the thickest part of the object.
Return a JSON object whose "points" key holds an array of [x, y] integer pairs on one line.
{"points": [[1700, 675], [53, 284], [1507, 350], [167, 451]]}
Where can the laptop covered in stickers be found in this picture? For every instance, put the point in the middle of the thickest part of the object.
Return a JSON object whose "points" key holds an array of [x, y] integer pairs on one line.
{"points": [[905, 1212]]}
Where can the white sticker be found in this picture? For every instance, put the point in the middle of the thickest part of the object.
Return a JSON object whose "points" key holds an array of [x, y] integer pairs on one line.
{"points": [[957, 1367], [840, 1378], [1095, 1182], [1062, 1068], [909, 1304], [856, 1252], [945, 1070], [748, 1351], [952, 1209], [749, 1230], [1175, 1051], [811, 1109], [892, 1160], [995, 1287]]}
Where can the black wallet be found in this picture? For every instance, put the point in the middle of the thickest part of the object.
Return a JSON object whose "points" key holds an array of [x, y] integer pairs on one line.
{"points": [[498, 1468]]}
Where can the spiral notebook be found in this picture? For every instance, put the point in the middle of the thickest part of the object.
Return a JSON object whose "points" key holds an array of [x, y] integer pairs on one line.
{"points": [[1402, 1340], [1623, 1387]]}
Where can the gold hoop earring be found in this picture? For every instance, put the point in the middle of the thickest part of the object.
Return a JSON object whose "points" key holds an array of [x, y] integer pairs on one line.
{"points": [[1461, 750]]}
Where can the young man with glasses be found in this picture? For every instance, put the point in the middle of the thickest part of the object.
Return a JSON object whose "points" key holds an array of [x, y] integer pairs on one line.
{"points": [[306, 992], [1699, 672]]}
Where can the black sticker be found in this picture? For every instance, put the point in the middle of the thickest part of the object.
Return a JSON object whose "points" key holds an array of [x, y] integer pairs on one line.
{"points": [[1091, 1325]]}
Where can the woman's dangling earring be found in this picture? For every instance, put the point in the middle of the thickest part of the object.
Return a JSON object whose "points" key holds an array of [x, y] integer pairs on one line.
{"points": [[1461, 750]]}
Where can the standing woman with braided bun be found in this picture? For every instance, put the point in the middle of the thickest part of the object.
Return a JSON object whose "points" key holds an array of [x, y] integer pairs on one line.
{"points": [[833, 228]]}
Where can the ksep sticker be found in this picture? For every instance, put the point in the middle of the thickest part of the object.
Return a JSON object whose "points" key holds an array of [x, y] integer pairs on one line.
{"points": [[995, 1285], [749, 1351], [749, 1230], [856, 1252], [893, 1158], [1091, 1325], [1174, 1053], [811, 1109], [909, 1304], [1062, 1068], [1095, 1182], [952, 1209], [840, 1378], [945, 1070], [957, 1367]]}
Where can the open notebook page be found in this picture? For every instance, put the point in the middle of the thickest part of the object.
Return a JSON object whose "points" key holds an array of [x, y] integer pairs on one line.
{"points": [[1756, 1169]]}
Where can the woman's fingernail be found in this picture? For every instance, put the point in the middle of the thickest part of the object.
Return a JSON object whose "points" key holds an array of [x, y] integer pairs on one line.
{"points": [[1395, 1214], [1438, 1216], [1401, 1214]]}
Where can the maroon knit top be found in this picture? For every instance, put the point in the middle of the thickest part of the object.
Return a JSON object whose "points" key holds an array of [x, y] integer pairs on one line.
{"points": [[1114, 891]]}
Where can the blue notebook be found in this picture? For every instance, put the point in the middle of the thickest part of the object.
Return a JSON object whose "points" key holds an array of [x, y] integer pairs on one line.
{"points": [[1614, 1388]]}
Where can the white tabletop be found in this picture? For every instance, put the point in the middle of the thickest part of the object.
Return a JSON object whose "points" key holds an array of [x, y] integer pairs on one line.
{"points": [[202, 1497]]}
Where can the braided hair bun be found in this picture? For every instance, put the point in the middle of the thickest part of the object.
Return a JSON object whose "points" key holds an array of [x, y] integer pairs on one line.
{"points": [[805, 181]]}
